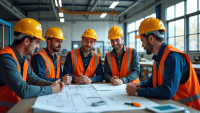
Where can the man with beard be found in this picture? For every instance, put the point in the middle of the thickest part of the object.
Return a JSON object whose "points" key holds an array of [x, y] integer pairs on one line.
{"points": [[17, 80], [122, 63], [173, 75], [83, 64], [45, 63]]}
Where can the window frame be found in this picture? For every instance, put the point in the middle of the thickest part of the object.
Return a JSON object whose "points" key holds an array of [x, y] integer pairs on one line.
{"points": [[186, 26]]}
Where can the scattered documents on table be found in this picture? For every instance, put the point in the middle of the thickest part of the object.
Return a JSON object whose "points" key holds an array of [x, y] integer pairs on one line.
{"points": [[103, 87], [79, 98]]}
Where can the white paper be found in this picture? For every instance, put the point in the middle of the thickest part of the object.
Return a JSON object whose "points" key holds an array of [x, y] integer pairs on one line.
{"points": [[109, 86], [78, 98]]}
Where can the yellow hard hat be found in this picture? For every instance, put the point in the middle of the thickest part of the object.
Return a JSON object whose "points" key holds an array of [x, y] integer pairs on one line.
{"points": [[115, 32], [55, 32], [149, 25], [30, 27], [90, 33]]}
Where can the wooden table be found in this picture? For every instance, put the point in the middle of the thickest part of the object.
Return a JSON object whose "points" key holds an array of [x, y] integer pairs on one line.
{"points": [[24, 106]]}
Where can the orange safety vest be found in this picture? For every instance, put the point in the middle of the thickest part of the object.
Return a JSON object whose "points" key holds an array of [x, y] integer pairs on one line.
{"points": [[50, 69], [187, 93], [8, 98], [78, 67], [125, 66]]}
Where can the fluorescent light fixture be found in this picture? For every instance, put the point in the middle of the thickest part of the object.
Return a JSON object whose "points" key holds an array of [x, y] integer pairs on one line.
{"points": [[60, 3], [112, 6], [61, 14], [62, 20], [56, 3], [103, 15]]}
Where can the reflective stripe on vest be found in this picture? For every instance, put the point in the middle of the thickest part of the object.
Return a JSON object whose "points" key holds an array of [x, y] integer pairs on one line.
{"points": [[189, 99], [6, 104], [75, 56], [48, 69], [75, 61], [162, 71], [128, 59]]}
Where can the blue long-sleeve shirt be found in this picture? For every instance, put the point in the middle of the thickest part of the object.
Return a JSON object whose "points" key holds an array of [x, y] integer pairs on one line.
{"points": [[34, 86], [134, 65], [38, 66], [176, 72], [86, 60]]}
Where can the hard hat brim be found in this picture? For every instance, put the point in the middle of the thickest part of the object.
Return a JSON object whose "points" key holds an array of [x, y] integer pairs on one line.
{"points": [[90, 37], [137, 37], [61, 38], [115, 37], [41, 38]]}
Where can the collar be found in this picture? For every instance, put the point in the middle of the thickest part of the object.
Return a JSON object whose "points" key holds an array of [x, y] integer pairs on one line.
{"points": [[114, 52], [82, 53], [18, 54], [159, 55], [49, 54]]}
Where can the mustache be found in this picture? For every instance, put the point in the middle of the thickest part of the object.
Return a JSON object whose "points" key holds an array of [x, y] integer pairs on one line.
{"points": [[87, 46], [58, 47]]}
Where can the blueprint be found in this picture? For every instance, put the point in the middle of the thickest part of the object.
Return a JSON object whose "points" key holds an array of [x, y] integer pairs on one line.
{"points": [[78, 98], [108, 87]]}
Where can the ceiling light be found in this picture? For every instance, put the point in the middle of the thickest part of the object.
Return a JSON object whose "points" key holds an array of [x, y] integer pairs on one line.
{"points": [[103, 15], [61, 14], [60, 3], [112, 6], [62, 20], [56, 3]]}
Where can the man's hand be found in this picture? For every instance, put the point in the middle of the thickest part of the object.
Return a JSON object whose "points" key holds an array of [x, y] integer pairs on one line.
{"points": [[88, 81], [137, 85], [112, 79], [56, 86], [131, 89], [83, 79], [116, 81], [62, 85], [78, 80], [67, 79]]}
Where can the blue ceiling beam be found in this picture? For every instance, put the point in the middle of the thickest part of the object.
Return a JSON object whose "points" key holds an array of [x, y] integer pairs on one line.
{"points": [[84, 5], [88, 5], [91, 5], [16, 2]]}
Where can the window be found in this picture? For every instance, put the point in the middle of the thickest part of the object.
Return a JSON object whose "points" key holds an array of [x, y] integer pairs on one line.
{"points": [[177, 17], [133, 31]]}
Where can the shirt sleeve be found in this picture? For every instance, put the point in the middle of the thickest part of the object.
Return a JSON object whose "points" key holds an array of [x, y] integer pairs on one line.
{"points": [[135, 68], [147, 83], [99, 73], [67, 69], [107, 70], [38, 66], [174, 66], [13, 79]]}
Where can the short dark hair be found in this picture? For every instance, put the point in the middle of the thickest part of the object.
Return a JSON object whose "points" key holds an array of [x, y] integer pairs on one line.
{"points": [[18, 42], [48, 38], [159, 39], [83, 37]]}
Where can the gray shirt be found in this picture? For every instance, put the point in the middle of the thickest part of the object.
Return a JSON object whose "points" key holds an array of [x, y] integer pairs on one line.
{"points": [[135, 66], [10, 76]]}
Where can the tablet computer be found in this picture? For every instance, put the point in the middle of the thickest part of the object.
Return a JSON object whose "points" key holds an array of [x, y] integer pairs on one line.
{"points": [[166, 108]]}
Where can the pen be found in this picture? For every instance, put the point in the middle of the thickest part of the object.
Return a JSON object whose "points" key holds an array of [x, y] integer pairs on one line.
{"points": [[134, 104]]}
